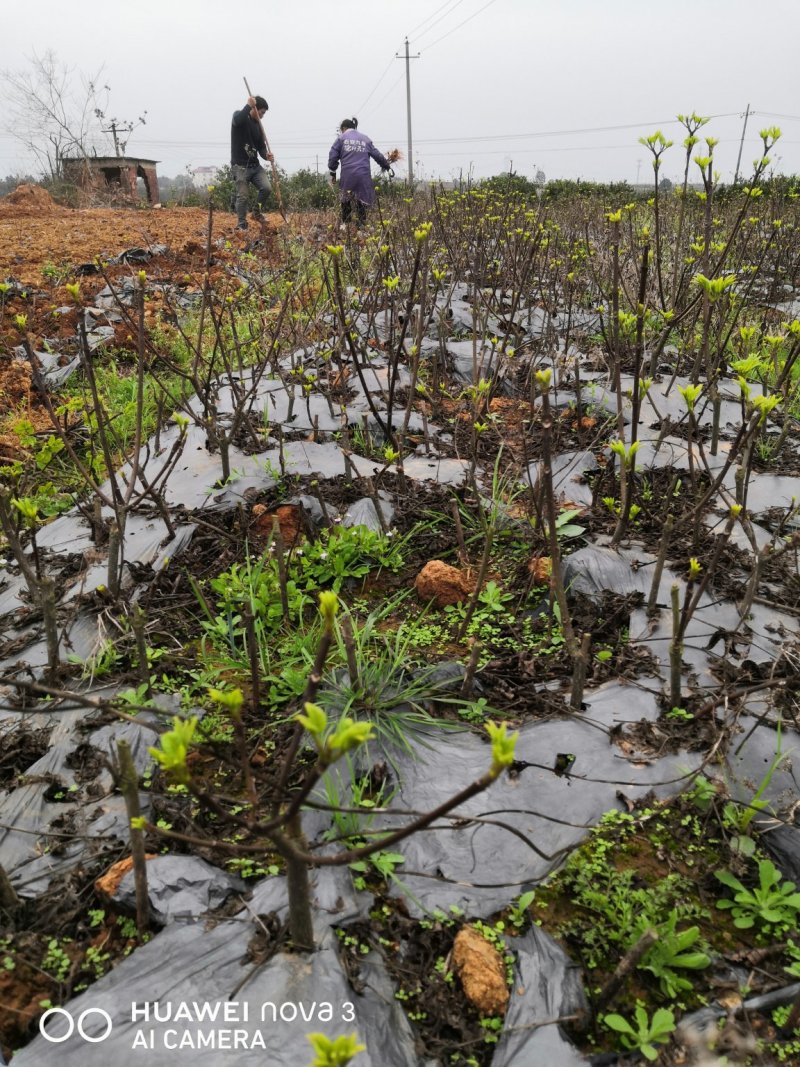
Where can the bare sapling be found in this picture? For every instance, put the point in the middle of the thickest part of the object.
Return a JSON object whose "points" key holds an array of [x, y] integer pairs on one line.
{"points": [[658, 570], [579, 669], [41, 587], [683, 613], [615, 349], [9, 901], [283, 826], [692, 124], [336, 289], [657, 145], [768, 553], [128, 784], [543, 381], [119, 494]]}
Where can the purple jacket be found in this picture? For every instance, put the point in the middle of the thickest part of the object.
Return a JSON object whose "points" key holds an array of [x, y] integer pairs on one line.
{"points": [[353, 150]]}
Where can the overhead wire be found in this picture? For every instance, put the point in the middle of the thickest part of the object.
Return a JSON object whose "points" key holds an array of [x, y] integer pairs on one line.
{"points": [[312, 137], [391, 89], [776, 115], [312, 140], [436, 22], [466, 139], [558, 148], [433, 14], [560, 133], [411, 32], [458, 27], [377, 83]]}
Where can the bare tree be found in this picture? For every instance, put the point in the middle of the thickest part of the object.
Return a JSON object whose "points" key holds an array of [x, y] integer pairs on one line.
{"points": [[56, 111], [117, 128]]}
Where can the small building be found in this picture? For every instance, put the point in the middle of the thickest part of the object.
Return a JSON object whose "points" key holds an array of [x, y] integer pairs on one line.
{"points": [[112, 174], [202, 177]]}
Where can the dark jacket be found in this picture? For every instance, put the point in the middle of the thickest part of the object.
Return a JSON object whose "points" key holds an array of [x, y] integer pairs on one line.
{"points": [[247, 140]]}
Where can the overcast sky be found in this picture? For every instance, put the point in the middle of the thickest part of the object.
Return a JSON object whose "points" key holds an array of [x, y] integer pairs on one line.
{"points": [[562, 86]]}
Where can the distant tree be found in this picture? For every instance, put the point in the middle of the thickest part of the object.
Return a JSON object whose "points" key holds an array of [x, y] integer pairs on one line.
{"points": [[181, 190], [305, 190], [665, 185], [560, 188], [509, 182], [223, 189], [57, 112], [11, 181]]}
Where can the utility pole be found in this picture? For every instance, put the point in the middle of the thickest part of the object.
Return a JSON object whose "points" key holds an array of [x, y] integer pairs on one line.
{"points": [[408, 57], [741, 145], [112, 129]]}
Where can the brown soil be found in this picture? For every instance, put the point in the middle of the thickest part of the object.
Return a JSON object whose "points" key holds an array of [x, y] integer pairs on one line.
{"points": [[479, 966], [32, 199], [41, 245], [441, 583], [35, 232], [290, 521]]}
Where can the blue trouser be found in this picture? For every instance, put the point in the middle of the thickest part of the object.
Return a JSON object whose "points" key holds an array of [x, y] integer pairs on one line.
{"points": [[256, 175]]}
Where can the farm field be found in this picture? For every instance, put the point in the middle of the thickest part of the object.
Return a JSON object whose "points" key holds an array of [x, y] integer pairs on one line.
{"points": [[400, 627]]}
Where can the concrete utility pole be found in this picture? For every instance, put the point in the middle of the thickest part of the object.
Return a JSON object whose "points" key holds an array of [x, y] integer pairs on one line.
{"points": [[408, 57], [112, 129], [741, 145]]}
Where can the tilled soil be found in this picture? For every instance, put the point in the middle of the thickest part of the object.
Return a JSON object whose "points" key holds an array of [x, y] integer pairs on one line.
{"points": [[44, 246], [37, 233]]}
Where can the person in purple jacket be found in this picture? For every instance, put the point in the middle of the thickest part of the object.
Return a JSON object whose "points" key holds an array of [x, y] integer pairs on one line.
{"points": [[354, 151]]}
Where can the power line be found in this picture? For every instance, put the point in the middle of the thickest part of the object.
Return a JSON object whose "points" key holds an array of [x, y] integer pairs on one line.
{"points": [[377, 83], [391, 88], [419, 25], [206, 147], [452, 9], [467, 139], [558, 148], [458, 27], [315, 138], [411, 32], [559, 133]]}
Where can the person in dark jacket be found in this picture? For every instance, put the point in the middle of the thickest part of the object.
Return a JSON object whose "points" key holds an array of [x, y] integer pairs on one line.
{"points": [[247, 144], [354, 151]]}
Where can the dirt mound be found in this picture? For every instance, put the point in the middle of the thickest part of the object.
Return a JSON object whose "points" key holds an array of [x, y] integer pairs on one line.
{"points": [[441, 583], [30, 198]]}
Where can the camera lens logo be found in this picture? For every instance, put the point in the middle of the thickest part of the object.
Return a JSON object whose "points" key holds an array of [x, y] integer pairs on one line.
{"points": [[94, 1040]]}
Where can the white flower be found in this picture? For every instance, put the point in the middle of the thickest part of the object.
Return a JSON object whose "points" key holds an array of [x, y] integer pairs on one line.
{"points": [[323, 555]]}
